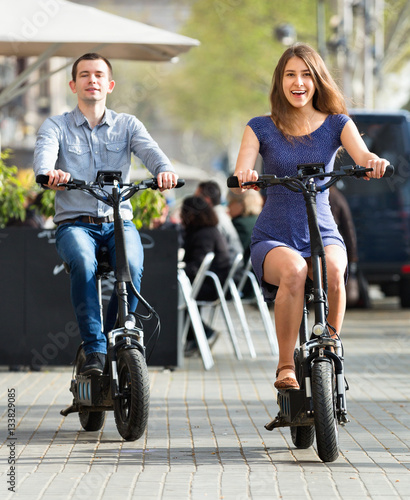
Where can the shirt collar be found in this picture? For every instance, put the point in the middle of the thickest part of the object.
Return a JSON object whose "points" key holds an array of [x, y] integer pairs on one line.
{"points": [[108, 118], [80, 119]]}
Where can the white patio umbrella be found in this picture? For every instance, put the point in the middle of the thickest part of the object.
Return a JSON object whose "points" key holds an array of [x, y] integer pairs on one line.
{"points": [[47, 28]]}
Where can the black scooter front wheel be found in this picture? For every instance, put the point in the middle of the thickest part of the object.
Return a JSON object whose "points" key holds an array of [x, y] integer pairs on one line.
{"points": [[90, 420], [132, 407], [323, 393]]}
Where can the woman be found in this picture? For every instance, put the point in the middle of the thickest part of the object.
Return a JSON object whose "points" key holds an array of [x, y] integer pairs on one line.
{"points": [[201, 237], [307, 124]]}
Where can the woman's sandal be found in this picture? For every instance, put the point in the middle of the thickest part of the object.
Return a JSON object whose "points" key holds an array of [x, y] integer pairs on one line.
{"points": [[287, 382]]}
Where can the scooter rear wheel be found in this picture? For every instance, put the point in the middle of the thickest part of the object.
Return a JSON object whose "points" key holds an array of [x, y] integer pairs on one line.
{"points": [[302, 435], [323, 393], [90, 420], [132, 407]]}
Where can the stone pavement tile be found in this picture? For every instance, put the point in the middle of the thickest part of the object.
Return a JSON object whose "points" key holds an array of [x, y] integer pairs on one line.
{"points": [[83, 452], [61, 484], [320, 483], [206, 483], [349, 485], [263, 482], [91, 485], [34, 485], [177, 484], [292, 483], [119, 485], [147, 489], [382, 484], [375, 420], [389, 497], [400, 484]]}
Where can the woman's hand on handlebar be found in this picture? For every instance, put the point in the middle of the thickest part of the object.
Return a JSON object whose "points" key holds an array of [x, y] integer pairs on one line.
{"points": [[248, 175], [379, 167], [166, 180], [56, 177]]}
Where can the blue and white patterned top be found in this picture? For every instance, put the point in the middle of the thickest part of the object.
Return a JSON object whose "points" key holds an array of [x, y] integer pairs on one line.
{"points": [[283, 220]]}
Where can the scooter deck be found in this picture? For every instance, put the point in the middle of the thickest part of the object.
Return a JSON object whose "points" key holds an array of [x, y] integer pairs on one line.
{"points": [[91, 392], [293, 410]]}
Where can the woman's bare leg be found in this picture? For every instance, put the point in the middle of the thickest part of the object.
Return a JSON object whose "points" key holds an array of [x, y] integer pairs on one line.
{"points": [[285, 267], [336, 262]]}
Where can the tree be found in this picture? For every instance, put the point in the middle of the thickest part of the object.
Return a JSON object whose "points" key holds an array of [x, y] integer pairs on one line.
{"points": [[223, 83], [397, 44], [370, 42]]}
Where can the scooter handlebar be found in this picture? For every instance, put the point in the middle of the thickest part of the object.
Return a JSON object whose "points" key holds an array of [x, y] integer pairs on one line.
{"points": [[149, 183], [232, 181]]}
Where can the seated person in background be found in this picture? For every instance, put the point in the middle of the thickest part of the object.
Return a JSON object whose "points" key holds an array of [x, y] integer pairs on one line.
{"points": [[211, 192], [165, 221], [201, 237], [356, 293], [33, 217], [244, 209]]}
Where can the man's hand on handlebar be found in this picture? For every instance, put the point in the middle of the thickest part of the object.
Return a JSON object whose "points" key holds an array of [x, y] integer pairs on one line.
{"points": [[379, 167], [167, 180], [56, 177]]}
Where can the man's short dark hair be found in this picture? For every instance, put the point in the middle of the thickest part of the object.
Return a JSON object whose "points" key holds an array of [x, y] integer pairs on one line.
{"points": [[91, 56], [211, 190]]}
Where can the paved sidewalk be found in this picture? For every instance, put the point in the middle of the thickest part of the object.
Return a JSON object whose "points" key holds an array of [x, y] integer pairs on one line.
{"points": [[206, 436]]}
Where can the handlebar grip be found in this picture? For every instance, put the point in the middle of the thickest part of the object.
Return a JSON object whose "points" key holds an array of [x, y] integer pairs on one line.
{"points": [[72, 183], [153, 184], [42, 179], [232, 182], [389, 171]]}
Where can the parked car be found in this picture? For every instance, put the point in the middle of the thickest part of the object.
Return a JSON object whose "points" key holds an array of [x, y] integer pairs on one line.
{"points": [[381, 210]]}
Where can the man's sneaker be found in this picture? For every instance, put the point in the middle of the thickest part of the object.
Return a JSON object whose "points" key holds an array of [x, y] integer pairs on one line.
{"points": [[94, 364]]}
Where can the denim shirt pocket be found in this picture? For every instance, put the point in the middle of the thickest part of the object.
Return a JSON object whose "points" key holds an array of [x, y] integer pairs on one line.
{"points": [[79, 156], [117, 155]]}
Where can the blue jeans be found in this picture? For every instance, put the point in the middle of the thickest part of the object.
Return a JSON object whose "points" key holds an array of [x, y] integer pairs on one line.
{"points": [[78, 245]]}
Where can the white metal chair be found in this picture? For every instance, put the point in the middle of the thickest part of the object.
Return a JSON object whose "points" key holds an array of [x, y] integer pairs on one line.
{"points": [[188, 312], [261, 304], [230, 293]]}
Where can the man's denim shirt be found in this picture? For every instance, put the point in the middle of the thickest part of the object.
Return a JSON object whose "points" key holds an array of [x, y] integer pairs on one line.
{"points": [[67, 142]]}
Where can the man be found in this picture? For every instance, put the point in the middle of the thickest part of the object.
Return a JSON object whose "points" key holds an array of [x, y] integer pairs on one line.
{"points": [[78, 144]]}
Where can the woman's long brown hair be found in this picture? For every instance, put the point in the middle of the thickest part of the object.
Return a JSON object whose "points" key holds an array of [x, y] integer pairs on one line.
{"points": [[327, 97]]}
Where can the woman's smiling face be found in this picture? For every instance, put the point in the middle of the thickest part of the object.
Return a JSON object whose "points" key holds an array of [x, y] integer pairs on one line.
{"points": [[298, 85]]}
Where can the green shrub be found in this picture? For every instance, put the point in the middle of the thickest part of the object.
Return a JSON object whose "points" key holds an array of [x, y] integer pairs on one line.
{"points": [[12, 193], [147, 206], [46, 207]]}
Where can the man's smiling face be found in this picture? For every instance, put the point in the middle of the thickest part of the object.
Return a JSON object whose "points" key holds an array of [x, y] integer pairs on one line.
{"points": [[93, 81]]}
